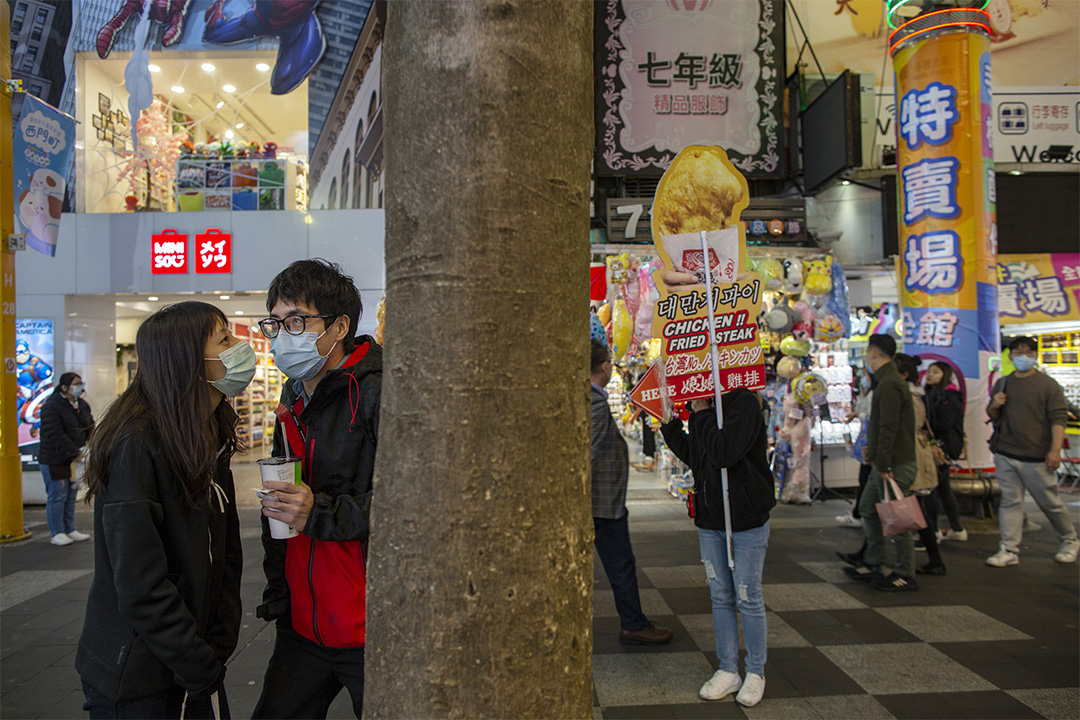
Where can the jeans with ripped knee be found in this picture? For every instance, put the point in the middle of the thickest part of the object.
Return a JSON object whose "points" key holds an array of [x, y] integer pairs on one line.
{"points": [[738, 589]]}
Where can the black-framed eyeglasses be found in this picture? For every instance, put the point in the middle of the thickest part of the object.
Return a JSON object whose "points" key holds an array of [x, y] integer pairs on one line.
{"points": [[293, 325]]}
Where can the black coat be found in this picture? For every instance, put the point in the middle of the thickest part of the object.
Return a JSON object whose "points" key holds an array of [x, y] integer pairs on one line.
{"points": [[63, 430], [945, 413], [741, 448], [164, 605]]}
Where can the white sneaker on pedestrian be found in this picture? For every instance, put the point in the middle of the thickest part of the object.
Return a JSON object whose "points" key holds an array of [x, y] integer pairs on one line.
{"points": [[1068, 551], [720, 685], [61, 539], [959, 535], [752, 690], [1002, 558], [77, 536], [848, 521]]}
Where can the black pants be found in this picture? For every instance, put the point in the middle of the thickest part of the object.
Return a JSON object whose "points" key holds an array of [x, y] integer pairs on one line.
{"points": [[929, 506], [164, 705], [617, 557], [864, 475], [948, 499], [648, 438], [303, 678]]}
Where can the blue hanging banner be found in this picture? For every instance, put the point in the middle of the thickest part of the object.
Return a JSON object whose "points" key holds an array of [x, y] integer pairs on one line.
{"points": [[42, 149]]}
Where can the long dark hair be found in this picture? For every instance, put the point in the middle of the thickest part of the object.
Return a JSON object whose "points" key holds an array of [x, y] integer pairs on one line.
{"points": [[907, 366], [169, 397], [946, 376]]}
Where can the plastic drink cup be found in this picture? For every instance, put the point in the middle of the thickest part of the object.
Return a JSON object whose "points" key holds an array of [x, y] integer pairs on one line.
{"points": [[284, 470]]}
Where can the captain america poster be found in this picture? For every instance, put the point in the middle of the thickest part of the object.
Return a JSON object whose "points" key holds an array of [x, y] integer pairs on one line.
{"points": [[34, 381]]}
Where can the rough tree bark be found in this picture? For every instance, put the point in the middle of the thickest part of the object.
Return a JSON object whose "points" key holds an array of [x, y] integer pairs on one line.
{"points": [[480, 587]]}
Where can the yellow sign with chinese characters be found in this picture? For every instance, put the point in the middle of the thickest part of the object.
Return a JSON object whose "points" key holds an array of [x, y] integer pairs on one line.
{"points": [[1038, 288]]}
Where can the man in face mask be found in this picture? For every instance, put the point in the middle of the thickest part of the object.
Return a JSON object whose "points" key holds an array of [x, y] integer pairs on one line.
{"points": [[1029, 413], [328, 419]]}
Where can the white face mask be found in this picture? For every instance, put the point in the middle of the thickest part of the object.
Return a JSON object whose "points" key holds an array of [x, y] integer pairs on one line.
{"points": [[297, 355], [77, 390]]}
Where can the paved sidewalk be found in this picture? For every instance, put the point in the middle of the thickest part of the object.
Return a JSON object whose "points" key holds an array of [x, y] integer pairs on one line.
{"points": [[978, 643]]}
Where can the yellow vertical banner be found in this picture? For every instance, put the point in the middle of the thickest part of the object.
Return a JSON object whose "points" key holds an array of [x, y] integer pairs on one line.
{"points": [[946, 207]]}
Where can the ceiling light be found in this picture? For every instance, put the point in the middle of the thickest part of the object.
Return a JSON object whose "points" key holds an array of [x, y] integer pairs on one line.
{"points": [[238, 312], [239, 125], [152, 298], [229, 134], [208, 67], [228, 88], [153, 68], [177, 89], [220, 104], [262, 67], [225, 297], [846, 182]]}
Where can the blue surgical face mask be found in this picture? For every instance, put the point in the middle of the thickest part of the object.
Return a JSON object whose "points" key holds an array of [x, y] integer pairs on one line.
{"points": [[77, 390], [1023, 363], [297, 355], [864, 381], [239, 361]]}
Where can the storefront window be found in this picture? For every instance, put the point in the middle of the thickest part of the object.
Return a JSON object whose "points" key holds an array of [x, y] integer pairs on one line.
{"points": [[214, 137]]}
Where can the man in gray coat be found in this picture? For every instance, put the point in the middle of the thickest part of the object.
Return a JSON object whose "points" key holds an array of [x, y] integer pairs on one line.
{"points": [[610, 474]]}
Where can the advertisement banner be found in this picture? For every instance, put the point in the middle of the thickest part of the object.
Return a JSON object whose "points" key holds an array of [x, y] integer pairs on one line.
{"points": [[698, 202], [947, 190], [41, 149], [1038, 288], [946, 214], [672, 74], [34, 378]]}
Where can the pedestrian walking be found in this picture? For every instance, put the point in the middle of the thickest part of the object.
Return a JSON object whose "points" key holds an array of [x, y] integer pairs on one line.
{"points": [[163, 614], [1029, 413], [66, 423], [740, 447]]}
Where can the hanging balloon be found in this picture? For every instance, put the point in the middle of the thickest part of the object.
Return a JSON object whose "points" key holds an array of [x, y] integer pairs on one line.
{"points": [[788, 367], [604, 313], [622, 330], [828, 329], [810, 389], [596, 329], [798, 348]]}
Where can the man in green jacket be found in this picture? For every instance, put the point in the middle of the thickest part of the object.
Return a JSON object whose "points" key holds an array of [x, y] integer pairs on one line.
{"points": [[891, 450]]}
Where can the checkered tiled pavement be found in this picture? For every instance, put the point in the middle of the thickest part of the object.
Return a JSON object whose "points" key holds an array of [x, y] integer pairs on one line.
{"points": [[980, 642]]}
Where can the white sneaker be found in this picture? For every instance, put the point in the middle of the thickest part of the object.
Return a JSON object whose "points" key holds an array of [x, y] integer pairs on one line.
{"points": [[61, 539], [752, 690], [848, 521], [720, 685], [1068, 551], [959, 535], [77, 536], [1002, 558]]}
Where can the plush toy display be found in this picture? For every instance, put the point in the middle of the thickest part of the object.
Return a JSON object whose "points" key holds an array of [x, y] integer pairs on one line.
{"points": [[804, 326], [781, 319], [793, 276], [828, 328], [798, 348], [818, 280], [772, 273], [789, 367]]}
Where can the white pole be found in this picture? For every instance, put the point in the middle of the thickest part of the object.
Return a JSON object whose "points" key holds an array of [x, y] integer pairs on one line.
{"points": [[716, 390]]}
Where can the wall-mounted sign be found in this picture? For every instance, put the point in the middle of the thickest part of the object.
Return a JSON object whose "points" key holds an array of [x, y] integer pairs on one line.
{"points": [[213, 252], [34, 379], [169, 253], [1038, 288], [685, 72]]}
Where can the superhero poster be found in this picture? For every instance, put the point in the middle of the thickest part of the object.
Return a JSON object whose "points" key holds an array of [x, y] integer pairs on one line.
{"points": [[34, 379]]}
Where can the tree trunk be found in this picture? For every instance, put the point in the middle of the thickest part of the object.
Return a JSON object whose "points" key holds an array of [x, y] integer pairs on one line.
{"points": [[480, 589]]}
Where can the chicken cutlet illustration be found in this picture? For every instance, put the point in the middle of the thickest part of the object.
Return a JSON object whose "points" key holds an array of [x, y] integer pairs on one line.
{"points": [[698, 192]]}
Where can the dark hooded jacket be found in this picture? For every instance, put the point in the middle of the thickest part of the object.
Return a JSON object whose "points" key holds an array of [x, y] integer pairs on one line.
{"points": [[164, 605], [741, 448], [317, 581], [64, 430]]}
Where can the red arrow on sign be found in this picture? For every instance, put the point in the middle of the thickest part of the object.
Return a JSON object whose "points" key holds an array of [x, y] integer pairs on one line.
{"points": [[646, 394]]}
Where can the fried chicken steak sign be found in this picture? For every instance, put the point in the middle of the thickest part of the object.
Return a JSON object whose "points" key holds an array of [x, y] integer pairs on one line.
{"points": [[698, 236]]}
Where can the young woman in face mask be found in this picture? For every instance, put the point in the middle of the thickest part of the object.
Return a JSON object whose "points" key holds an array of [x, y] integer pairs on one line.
{"points": [[945, 412], [163, 613], [66, 423]]}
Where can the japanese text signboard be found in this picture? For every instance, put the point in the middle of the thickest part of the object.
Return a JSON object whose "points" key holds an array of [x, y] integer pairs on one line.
{"points": [[213, 252], [946, 198], [702, 193], [169, 253], [1038, 288], [679, 72]]}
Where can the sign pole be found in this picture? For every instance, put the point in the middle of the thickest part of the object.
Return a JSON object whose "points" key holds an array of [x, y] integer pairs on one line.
{"points": [[716, 389], [11, 512]]}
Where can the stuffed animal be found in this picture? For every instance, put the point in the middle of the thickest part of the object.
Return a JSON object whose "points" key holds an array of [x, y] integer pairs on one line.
{"points": [[796, 432], [772, 273], [270, 150], [804, 326], [818, 280], [828, 328], [793, 276], [791, 346], [789, 367]]}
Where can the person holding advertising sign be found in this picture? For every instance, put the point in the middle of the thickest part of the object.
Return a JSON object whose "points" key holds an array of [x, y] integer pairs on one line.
{"points": [[740, 446], [316, 574], [891, 449]]}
